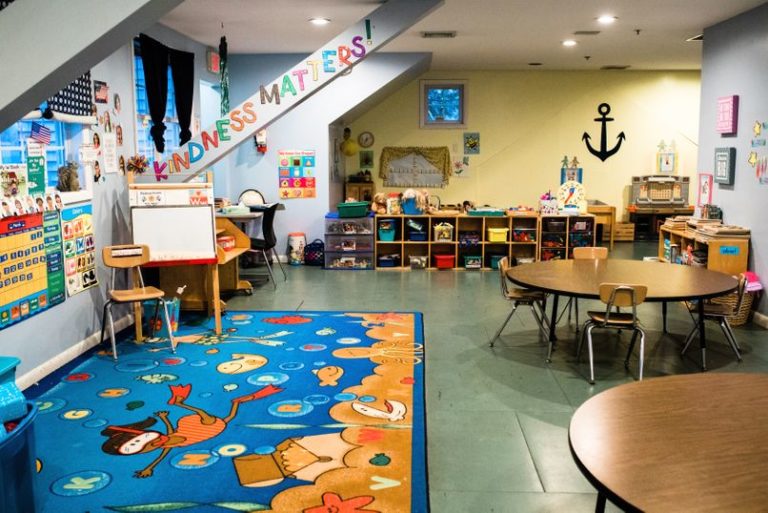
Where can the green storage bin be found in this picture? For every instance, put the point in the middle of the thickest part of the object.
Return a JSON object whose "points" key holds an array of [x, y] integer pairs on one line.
{"points": [[354, 209], [473, 261], [495, 259]]}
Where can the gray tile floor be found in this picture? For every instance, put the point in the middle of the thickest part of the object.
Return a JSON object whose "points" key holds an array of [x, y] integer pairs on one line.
{"points": [[498, 417]]}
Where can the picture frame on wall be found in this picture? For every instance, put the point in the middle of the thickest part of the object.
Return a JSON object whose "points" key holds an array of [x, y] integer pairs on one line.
{"points": [[705, 189], [366, 159], [725, 165]]}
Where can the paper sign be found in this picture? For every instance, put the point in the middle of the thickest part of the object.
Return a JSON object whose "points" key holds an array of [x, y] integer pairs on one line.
{"points": [[88, 153], [729, 250], [35, 149], [109, 145], [36, 175]]}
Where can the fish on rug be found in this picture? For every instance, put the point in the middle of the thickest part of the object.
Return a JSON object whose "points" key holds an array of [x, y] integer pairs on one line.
{"points": [[285, 411]]}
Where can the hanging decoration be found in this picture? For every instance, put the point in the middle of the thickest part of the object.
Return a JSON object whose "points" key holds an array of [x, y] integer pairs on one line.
{"points": [[224, 74], [348, 146], [413, 166], [137, 164]]}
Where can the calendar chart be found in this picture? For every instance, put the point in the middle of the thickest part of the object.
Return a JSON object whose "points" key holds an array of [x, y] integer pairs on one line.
{"points": [[23, 269]]}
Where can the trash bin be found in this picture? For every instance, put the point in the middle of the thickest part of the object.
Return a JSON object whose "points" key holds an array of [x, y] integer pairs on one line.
{"points": [[17, 466], [296, 243]]}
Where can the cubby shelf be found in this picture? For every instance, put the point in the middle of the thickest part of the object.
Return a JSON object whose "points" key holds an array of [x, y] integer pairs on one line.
{"points": [[726, 255]]}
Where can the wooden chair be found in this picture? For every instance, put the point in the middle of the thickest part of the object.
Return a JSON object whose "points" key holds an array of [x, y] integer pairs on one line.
{"points": [[517, 296], [584, 253], [719, 313], [130, 257], [616, 294]]}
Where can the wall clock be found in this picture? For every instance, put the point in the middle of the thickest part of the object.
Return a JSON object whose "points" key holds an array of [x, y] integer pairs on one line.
{"points": [[571, 195], [365, 139]]}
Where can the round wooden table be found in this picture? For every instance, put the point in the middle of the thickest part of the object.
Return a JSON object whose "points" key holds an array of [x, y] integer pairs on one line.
{"points": [[665, 282], [678, 443]]}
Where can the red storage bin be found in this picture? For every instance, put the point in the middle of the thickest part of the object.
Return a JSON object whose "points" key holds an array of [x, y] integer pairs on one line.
{"points": [[444, 261]]}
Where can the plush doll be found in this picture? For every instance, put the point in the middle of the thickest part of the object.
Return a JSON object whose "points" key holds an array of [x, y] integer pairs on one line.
{"points": [[68, 179], [379, 205]]}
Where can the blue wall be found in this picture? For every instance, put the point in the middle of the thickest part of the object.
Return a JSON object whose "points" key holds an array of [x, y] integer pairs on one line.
{"points": [[735, 61]]}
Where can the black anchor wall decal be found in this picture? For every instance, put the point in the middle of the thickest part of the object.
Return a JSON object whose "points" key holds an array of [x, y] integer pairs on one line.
{"points": [[603, 109]]}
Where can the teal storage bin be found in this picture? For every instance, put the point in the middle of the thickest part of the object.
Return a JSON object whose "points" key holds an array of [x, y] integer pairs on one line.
{"points": [[12, 402], [17, 465], [386, 230], [353, 209], [495, 259]]}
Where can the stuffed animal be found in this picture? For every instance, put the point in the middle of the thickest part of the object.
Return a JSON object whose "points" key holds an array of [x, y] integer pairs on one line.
{"points": [[68, 179], [379, 205]]}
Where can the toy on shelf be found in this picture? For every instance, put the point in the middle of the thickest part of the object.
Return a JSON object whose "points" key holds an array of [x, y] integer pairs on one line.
{"points": [[379, 205], [548, 203]]}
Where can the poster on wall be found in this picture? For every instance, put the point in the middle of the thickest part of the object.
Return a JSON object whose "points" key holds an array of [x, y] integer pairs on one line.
{"points": [[79, 248], [109, 143], [26, 286], [296, 172]]}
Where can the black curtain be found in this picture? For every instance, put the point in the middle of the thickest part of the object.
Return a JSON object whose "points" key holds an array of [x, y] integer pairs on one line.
{"points": [[156, 57]]}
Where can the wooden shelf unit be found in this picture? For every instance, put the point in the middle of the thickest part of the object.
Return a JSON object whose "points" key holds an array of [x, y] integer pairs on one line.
{"points": [[462, 226], [561, 233], [726, 255]]}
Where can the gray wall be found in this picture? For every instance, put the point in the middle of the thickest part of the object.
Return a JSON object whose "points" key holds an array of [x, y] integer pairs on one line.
{"points": [[46, 335], [735, 61]]}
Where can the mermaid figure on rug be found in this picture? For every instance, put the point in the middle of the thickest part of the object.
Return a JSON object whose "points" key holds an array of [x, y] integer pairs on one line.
{"points": [[199, 427]]}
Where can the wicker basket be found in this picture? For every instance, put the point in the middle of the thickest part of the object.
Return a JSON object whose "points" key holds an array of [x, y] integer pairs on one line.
{"points": [[741, 317]]}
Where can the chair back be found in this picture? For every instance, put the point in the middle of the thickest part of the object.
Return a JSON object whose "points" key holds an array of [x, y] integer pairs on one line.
{"points": [[268, 225], [740, 292], [126, 256], [622, 295], [503, 266], [590, 253], [251, 197]]}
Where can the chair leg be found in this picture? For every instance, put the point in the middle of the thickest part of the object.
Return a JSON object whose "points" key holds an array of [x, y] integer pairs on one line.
{"points": [[642, 352], [581, 339], [591, 355], [498, 333], [576, 309], [689, 339], [269, 268], [539, 320], [631, 347], [729, 336], [285, 276], [103, 321], [168, 325], [112, 331]]}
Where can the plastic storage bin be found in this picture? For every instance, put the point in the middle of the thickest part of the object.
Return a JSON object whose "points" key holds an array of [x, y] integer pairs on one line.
{"points": [[12, 403], [555, 226], [443, 232], [409, 207], [17, 465], [444, 261], [386, 230], [473, 261], [497, 234], [417, 236], [353, 209], [495, 259], [348, 261], [524, 235], [389, 261], [418, 261], [360, 226]]}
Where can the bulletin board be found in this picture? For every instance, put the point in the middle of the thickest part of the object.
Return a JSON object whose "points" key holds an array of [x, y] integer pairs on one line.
{"points": [[176, 233], [32, 277]]}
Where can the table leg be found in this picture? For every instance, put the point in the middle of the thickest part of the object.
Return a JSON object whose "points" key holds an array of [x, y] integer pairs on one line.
{"points": [[600, 504], [553, 319], [702, 337], [664, 316]]}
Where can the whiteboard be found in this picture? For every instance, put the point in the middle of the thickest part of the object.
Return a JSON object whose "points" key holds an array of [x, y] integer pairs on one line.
{"points": [[175, 233]]}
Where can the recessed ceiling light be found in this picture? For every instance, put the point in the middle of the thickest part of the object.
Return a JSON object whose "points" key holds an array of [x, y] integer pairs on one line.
{"points": [[569, 42], [606, 19], [319, 21]]}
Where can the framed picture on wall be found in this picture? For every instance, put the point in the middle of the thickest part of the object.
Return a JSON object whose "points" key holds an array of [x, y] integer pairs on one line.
{"points": [[725, 163], [705, 189]]}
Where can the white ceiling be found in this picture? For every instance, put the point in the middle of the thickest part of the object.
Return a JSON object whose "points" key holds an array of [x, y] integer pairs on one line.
{"points": [[492, 34]]}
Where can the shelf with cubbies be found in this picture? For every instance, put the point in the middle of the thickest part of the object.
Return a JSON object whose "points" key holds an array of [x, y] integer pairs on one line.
{"points": [[724, 254], [348, 242], [559, 234], [459, 242]]}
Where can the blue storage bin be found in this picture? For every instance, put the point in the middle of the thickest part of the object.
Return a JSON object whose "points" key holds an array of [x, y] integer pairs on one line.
{"points": [[417, 236], [17, 465], [409, 207], [12, 402]]}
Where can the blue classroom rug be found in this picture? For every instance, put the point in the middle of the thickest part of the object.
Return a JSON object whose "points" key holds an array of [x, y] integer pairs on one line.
{"points": [[309, 412]]}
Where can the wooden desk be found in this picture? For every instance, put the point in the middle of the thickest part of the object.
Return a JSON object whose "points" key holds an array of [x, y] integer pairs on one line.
{"points": [[679, 443], [605, 215], [582, 279], [203, 290]]}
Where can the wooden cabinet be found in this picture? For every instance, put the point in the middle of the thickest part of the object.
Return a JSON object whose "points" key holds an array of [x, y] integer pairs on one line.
{"points": [[362, 191], [726, 255]]}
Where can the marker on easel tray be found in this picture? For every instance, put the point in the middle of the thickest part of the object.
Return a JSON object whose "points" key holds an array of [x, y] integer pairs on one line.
{"points": [[368, 32]]}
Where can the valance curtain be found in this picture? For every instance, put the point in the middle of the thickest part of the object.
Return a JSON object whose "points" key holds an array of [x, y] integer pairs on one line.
{"points": [[438, 156]]}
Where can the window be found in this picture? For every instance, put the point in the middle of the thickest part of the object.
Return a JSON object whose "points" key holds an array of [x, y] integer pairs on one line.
{"points": [[443, 104], [64, 138], [144, 144]]}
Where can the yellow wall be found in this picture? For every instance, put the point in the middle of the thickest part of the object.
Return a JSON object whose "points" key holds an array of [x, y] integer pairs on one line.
{"points": [[528, 120]]}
